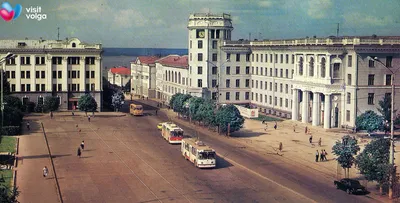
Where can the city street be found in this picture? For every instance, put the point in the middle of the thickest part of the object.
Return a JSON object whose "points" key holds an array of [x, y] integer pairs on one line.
{"points": [[126, 160]]}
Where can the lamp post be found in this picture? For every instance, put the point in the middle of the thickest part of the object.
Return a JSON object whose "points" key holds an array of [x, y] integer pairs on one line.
{"points": [[218, 78], [2, 62], [391, 150]]}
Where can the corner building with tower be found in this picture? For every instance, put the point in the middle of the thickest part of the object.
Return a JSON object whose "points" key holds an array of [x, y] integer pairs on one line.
{"points": [[322, 81]]}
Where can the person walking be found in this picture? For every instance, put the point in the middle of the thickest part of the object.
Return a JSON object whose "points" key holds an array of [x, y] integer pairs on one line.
{"points": [[306, 130], [266, 126], [28, 126], [45, 171], [319, 141], [322, 155], [156, 112], [310, 139], [276, 125], [294, 128], [316, 156], [325, 153], [51, 115], [88, 118], [280, 147], [79, 152], [83, 145]]}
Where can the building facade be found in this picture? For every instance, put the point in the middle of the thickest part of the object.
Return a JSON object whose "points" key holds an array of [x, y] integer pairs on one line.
{"points": [[66, 69], [143, 74], [322, 81], [119, 76]]}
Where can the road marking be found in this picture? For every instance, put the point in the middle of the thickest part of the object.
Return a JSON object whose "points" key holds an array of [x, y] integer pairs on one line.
{"points": [[261, 176]]}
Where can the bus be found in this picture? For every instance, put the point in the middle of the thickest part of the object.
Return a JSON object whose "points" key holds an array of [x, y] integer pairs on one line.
{"points": [[172, 133], [197, 152], [136, 110]]}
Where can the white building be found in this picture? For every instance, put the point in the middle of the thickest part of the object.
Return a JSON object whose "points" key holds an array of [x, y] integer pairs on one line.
{"points": [[325, 81], [63, 68], [119, 76], [143, 71]]}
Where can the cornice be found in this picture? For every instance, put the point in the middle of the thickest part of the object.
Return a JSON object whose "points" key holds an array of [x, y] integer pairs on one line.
{"points": [[99, 51]]}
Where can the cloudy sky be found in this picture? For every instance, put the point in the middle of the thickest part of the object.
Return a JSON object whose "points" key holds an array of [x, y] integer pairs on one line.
{"points": [[162, 23]]}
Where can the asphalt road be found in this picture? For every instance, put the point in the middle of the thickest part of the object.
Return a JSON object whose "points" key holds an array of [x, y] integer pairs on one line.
{"points": [[126, 160]]}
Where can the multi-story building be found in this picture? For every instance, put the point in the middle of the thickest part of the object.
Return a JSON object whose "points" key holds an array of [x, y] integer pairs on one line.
{"points": [[119, 76], [66, 69], [325, 81], [143, 71]]}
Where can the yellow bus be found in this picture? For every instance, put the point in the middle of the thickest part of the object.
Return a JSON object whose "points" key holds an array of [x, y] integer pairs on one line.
{"points": [[136, 110]]}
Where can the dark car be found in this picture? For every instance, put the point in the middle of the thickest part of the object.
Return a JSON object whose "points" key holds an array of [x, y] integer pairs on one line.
{"points": [[349, 185]]}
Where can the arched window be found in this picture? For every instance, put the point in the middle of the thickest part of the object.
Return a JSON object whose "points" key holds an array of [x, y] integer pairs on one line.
{"points": [[176, 78], [301, 61], [73, 44], [166, 75], [323, 67], [169, 75], [311, 66], [179, 78]]}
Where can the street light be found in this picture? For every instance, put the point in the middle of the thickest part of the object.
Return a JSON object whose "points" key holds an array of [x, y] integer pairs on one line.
{"points": [[218, 82], [391, 156], [2, 62]]}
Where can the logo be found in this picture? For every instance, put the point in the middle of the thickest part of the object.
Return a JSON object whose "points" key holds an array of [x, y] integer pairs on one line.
{"points": [[8, 13]]}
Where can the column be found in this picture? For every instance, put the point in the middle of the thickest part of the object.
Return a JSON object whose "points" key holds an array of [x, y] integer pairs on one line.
{"points": [[295, 105], [328, 66], [64, 74], [316, 109], [82, 72], [306, 99], [327, 111], [97, 75]]}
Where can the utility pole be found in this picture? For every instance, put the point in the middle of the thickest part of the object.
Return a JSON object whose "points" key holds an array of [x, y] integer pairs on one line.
{"points": [[58, 33], [337, 30]]}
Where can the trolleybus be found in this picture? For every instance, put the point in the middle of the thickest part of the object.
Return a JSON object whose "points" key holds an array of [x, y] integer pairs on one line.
{"points": [[197, 152], [172, 133]]}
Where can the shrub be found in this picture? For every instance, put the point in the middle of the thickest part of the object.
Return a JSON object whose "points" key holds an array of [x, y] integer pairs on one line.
{"points": [[11, 130], [39, 108]]}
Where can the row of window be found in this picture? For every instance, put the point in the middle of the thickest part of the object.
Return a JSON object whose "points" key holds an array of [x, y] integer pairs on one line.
{"points": [[215, 57], [175, 77], [56, 87], [42, 74], [40, 60], [259, 98], [284, 58], [371, 79]]}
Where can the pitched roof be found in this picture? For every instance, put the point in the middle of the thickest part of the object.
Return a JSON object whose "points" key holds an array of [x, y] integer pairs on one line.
{"points": [[120, 70], [146, 59], [174, 61]]}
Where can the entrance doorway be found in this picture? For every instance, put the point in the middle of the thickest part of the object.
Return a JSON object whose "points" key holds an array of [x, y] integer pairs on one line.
{"points": [[336, 117]]}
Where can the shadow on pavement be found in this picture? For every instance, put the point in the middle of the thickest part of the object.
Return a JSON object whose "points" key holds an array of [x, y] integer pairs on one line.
{"points": [[42, 156], [222, 163], [60, 155], [246, 133]]}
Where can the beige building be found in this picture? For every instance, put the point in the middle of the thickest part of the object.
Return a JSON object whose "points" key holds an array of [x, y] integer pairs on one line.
{"points": [[143, 73], [119, 76], [66, 69]]}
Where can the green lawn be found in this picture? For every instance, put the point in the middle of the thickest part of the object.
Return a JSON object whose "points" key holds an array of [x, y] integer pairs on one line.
{"points": [[7, 175], [8, 144], [267, 118]]}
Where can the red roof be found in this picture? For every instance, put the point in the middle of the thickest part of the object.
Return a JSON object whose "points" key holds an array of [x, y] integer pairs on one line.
{"points": [[120, 70], [146, 59], [174, 61]]}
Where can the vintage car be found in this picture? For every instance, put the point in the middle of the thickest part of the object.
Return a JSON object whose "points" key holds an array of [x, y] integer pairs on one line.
{"points": [[349, 185]]}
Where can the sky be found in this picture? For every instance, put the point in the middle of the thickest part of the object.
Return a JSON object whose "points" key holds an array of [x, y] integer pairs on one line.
{"points": [[163, 23]]}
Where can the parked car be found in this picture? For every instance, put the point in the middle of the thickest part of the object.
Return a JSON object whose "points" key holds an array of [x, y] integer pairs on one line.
{"points": [[349, 185]]}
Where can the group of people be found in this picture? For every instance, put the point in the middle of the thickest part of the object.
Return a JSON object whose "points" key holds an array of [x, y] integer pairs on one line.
{"points": [[266, 125], [321, 155]]}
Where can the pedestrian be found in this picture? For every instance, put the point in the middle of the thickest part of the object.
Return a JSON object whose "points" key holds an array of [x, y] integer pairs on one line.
{"points": [[310, 139], [306, 130], [263, 122], [51, 115], [319, 141], [325, 153], [45, 171], [83, 145], [266, 126], [88, 118], [294, 128], [28, 126], [276, 125], [322, 155], [156, 112], [280, 146], [316, 156], [79, 152], [73, 114]]}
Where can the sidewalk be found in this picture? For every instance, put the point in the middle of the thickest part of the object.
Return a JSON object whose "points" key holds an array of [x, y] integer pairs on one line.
{"points": [[296, 146], [33, 156]]}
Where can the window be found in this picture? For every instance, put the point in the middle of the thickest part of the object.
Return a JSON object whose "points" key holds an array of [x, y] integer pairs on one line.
{"points": [[237, 70], [214, 96], [43, 86], [261, 57], [246, 95], [7, 74], [275, 101], [60, 74], [286, 88], [281, 58], [280, 102], [89, 60], [214, 57], [28, 74], [37, 87], [12, 74], [54, 74], [257, 84], [256, 96], [11, 61], [213, 83], [276, 58], [348, 79], [311, 67], [252, 96], [265, 85], [28, 87], [323, 68], [252, 83], [371, 62], [261, 71], [287, 58], [237, 96], [389, 61], [370, 98], [199, 70], [371, 78], [348, 115], [200, 44], [276, 72], [270, 86], [286, 103], [256, 57], [73, 60], [25, 60], [301, 66], [200, 57], [92, 74], [237, 82], [270, 99], [190, 44], [59, 87], [22, 87], [247, 83], [237, 57], [228, 83], [281, 73], [22, 74], [266, 71], [287, 73], [214, 70], [276, 87], [349, 60], [256, 70], [199, 83], [261, 85], [292, 58], [388, 80], [348, 97], [228, 96], [56, 60], [271, 59], [12, 87], [73, 87], [247, 57], [39, 60], [228, 57], [252, 70], [265, 98], [281, 87], [228, 70], [247, 70]]}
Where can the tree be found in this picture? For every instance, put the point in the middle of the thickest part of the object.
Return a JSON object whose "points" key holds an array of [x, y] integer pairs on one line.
{"points": [[194, 104], [173, 98], [229, 114], [127, 87], [7, 195], [345, 151], [385, 108], [6, 87], [51, 103], [87, 103], [117, 100], [13, 102], [205, 113], [373, 162], [179, 103], [12, 116], [108, 92], [369, 121]]}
